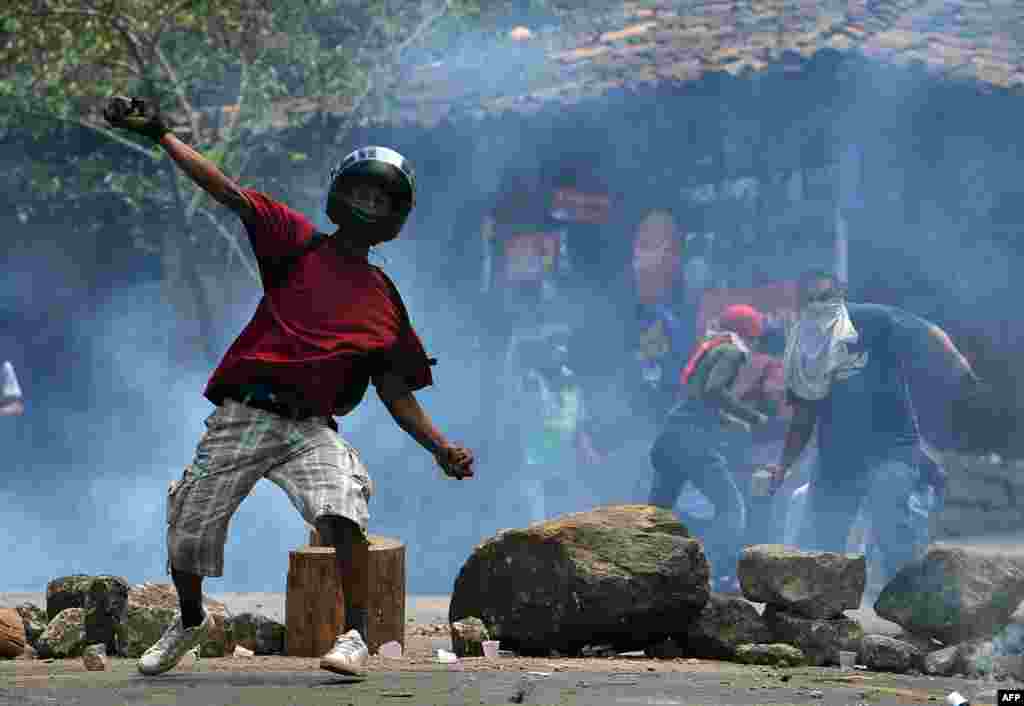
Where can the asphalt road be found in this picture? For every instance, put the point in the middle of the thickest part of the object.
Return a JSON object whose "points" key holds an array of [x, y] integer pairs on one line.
{"points": [[724, 685]]}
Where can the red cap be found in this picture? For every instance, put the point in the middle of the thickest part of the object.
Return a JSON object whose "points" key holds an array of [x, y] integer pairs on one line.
{"points": [[742, 319]]}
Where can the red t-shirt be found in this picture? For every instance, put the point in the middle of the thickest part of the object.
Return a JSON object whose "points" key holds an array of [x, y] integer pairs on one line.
{"points": [[326, 324]]}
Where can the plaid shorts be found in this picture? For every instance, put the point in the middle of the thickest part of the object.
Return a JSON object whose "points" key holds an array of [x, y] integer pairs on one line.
{"points": [[321, 473]]}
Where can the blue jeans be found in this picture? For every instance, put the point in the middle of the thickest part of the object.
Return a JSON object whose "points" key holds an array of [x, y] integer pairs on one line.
{"points": [[682, 453], [890, 488]]}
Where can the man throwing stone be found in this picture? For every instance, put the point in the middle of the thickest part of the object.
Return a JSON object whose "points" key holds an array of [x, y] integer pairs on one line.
{"points": [[846, 369], [329, 322]]}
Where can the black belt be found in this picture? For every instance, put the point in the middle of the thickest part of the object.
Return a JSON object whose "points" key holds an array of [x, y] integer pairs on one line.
{"points": [[260, 397]]}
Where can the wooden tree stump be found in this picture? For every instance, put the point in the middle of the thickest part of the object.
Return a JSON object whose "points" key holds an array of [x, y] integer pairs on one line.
{"points": [[314, 610]]}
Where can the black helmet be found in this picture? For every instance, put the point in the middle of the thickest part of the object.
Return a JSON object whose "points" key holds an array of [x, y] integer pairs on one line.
{"points": [[385, 168]]}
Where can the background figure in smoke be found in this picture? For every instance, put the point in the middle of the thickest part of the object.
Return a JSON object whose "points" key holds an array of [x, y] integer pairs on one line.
{"points": [[328, 323], [708, 433], [846, 376], [551, 419]]}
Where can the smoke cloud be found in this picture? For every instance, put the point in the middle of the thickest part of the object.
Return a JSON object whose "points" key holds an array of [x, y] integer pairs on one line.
{"points": [[111, 420]]}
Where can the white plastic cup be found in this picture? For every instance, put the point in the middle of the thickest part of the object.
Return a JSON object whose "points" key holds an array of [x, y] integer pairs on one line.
{"points": [[390, 650], [847, 659], [491, 648]]}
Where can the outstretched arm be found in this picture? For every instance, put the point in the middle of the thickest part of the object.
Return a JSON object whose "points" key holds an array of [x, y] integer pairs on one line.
{"points": [[413, 420], [208, 176], [142, 117]]}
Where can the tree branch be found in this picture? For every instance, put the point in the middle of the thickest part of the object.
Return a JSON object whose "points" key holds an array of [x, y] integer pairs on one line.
{"points": [[113, 136], [395, 54], [183, 102], [232, 241]]}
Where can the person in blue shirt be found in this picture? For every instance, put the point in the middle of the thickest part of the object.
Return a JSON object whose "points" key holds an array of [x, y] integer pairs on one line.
{"points": [[846, 370]]}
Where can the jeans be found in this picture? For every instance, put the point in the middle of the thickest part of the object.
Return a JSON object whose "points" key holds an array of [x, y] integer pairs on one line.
{"points": [[890, 489], [682, 452]]}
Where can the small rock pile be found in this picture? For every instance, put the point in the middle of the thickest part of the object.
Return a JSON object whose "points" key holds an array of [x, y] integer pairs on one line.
{"points": [[805, 594], [85, 613]]}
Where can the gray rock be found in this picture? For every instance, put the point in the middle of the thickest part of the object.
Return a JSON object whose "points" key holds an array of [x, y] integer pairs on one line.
{"points": [[468, 636], [811, 584], [257, 633], [724, 624], [941, 663], [773, 654], [820, 639], [887, 654], [94, 657], [627, 575], [954, 594], [64, 635], [34, 619]]}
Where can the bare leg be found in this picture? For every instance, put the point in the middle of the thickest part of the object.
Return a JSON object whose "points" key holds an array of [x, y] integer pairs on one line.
{"points": [[352, 557], [190, 597]]}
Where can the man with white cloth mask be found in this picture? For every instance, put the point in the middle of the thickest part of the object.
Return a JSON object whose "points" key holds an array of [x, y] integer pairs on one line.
{"points": [[846, 368]]}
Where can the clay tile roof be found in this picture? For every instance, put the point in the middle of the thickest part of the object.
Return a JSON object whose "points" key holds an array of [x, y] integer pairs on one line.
{"points": [[625, 44]]}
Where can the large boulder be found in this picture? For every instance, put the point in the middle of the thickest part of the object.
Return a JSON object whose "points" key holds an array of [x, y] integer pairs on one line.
{"points": [[811, 584], [152, 608], [724, 624], [12, 634], [954, 594], [64, 635], [625, 575], [257, 633], [887, 654], [820, 639], [34, 619]]}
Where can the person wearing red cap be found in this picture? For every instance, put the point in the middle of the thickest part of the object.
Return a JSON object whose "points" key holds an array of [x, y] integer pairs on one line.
{"points": [[708, 432]]}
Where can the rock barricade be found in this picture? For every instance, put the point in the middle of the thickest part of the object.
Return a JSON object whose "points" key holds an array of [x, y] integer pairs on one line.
{"points": [[820, 639], [954, 593], [805, 595], [628, 575], [725, 623], [811, 584]]}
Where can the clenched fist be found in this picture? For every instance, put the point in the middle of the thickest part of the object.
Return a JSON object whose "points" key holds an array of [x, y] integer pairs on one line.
{"points": [[456, 461], [136, 115]]}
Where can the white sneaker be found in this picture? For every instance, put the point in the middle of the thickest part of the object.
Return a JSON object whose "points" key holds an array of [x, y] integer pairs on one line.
{"points": [[174, 645], [348, 656]]}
